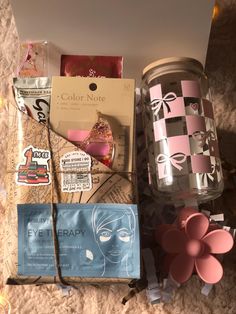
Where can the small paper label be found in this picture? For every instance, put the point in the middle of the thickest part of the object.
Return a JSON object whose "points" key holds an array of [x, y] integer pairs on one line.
{"points": [[34, 169], [33, 96], [77, 164], [218, 217]]}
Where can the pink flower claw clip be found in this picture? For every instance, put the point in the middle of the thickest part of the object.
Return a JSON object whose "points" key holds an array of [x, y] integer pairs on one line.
{"points": [[194, 246]]}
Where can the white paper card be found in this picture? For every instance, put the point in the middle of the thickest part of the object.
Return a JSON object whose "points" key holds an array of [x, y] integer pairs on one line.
{"points": [[140, 31]]}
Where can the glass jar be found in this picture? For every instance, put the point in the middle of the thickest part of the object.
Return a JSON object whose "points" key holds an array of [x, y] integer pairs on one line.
{"points": [[180, 132]]}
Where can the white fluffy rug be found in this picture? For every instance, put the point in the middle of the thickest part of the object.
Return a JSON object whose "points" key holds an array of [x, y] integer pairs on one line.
{"points": [[221, 68]]}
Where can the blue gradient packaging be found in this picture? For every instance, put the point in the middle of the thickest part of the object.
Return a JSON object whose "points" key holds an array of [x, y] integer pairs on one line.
{"points": [[95, 240]]}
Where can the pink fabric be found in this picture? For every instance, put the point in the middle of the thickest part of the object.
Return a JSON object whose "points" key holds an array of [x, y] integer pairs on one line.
{"points": [[201, 164], [179, 144], [191, 89]]}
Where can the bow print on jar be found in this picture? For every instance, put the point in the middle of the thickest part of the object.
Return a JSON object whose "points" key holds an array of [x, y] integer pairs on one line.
{"points": [[201, 137], [163, 161], [158, 103], [210, 176], [194, 247]]}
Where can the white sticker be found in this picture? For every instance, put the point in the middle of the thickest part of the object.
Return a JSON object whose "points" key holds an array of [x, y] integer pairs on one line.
{"points": [[218, 217], [81, 180], [34, 169]]}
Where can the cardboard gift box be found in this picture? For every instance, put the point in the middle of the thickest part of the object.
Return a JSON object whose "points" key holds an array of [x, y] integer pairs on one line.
{"points": [[141, 32]]}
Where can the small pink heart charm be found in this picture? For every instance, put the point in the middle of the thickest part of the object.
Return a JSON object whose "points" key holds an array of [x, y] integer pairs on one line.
{"points": [[194, 106]]}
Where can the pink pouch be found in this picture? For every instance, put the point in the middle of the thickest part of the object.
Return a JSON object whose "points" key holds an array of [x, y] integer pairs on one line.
{"points": [[92, 66]]}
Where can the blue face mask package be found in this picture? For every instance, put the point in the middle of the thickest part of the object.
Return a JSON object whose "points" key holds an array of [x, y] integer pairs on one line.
{"points": [[95, 240]]}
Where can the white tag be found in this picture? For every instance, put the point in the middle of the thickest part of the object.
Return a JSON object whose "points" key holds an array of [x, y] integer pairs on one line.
{"points": [[154, 295], [65, 290], [150, 268], [219, 217], [234, 233], [78, 166]]}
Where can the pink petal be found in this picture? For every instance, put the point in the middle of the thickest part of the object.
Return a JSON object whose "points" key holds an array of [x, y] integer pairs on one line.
{"points": [[219, 241], [184, 213], [209, 269], [174, 241], [167, 261], [161, 230], [196, 226], [181, 268]]}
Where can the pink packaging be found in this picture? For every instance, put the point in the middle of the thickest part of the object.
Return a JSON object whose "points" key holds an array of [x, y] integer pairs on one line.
{"points": [[92, 66]]}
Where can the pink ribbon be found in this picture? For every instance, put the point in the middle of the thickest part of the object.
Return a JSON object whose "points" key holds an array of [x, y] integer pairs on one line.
{"points": [[157, 103], [175, 159], [202, 136]]}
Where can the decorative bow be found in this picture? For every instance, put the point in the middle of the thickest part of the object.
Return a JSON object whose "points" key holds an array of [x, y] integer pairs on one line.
{"points": [[205, 176], [175, 159], [157, 103], [202, 136], [215, 168]]}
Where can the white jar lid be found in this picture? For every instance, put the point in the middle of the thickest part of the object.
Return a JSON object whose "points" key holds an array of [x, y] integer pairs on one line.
{"points": [[183, 63]]}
